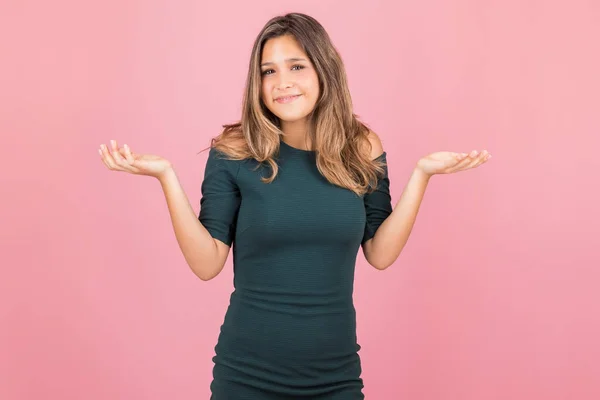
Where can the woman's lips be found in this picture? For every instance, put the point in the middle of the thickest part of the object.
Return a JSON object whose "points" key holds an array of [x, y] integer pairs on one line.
{"points": [[287, 99]]}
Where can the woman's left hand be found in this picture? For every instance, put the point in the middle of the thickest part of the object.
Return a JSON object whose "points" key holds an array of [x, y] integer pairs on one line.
{"points": [[446, 162]]}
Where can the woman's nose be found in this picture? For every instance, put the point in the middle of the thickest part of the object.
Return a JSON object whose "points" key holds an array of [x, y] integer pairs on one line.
{"points": [[284, 81], [284, 85]]}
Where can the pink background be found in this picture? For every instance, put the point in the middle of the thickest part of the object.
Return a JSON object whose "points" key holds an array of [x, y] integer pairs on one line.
{"points": [[496, 295]]}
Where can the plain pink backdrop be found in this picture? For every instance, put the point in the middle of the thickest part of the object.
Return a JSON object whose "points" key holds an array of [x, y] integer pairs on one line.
{"points": [[496, 294]]}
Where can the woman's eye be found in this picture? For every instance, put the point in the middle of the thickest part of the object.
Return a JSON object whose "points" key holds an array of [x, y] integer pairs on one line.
{"points": [[295, 67]]}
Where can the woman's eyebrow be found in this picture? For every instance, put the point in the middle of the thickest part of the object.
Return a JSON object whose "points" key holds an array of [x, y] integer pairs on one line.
{"points": [[288, 60]]}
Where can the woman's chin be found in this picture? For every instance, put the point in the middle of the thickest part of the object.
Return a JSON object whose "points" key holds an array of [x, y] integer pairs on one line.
{"points": [[290, 118]]}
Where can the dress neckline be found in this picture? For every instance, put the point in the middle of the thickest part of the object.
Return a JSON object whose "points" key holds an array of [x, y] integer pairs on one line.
{"points": [[313, 152], [284, 144]]}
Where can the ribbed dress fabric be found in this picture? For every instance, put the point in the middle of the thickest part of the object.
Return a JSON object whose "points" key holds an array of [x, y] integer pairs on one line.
{"points": [[290, 328]]}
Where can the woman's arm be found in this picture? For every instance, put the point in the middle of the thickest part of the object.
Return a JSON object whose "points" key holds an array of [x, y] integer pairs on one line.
{"points": [[389, 240], [385, 246], [205, 255]]}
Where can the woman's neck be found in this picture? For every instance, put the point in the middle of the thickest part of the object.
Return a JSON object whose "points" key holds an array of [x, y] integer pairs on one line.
{"points": [[296, 134]]}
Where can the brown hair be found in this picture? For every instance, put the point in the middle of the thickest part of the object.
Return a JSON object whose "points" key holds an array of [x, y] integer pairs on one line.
{"points": [[343, 151]]}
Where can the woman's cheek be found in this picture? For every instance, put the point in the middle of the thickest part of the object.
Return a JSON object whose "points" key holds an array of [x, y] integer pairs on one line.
{"points": [[265, 92], [309, 80]]}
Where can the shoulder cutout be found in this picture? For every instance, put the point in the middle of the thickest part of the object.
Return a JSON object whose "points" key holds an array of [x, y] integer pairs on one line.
{"points": [[376, 145]]}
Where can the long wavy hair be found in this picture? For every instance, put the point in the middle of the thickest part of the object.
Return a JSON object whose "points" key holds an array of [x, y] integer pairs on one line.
{"points": [[340, 141]]}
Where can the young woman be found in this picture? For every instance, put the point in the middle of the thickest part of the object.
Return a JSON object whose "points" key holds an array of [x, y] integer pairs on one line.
{"points": [[296, 187]]}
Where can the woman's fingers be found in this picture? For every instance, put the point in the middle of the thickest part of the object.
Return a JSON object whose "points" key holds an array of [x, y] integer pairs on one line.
{"points": [[128, 154], [473, 160], [113, 159], [116, 154], [108, 158], [119, 159], [460, 165], [103, 156], [483, 157], [124, 155], [477, 158]]}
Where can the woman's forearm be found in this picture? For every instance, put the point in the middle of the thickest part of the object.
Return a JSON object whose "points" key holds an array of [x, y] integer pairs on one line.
{"points": [[392, 235], [198, 246]]}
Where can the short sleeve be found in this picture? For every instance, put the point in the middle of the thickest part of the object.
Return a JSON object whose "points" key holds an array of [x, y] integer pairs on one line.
{"points": [[378, 204], [221, 198]]}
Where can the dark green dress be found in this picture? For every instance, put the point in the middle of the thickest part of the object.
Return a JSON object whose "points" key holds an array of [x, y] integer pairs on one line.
{"points": [[290, 328]]}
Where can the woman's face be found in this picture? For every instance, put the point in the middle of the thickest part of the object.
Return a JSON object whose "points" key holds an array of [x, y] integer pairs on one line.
{"points": [[290, 85]]}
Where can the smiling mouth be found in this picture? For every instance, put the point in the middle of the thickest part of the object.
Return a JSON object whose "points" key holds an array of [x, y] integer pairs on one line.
{"points": [[287, 99]]}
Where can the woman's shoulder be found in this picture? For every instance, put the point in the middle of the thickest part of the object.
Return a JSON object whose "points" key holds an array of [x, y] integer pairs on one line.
{"points": [[230, 142], [373, 145], [227, 152], [223, 156]]}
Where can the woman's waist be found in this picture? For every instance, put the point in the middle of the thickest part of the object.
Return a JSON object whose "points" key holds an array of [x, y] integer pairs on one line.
{"points": [[294, 301], [290, 331]]}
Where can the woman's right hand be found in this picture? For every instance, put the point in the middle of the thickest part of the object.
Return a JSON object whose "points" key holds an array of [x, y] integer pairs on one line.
{"points": [[123, 159]]}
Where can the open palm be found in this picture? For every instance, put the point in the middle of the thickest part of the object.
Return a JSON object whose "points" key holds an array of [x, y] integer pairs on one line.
{"points": [[447, 162], [123, 159]]}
